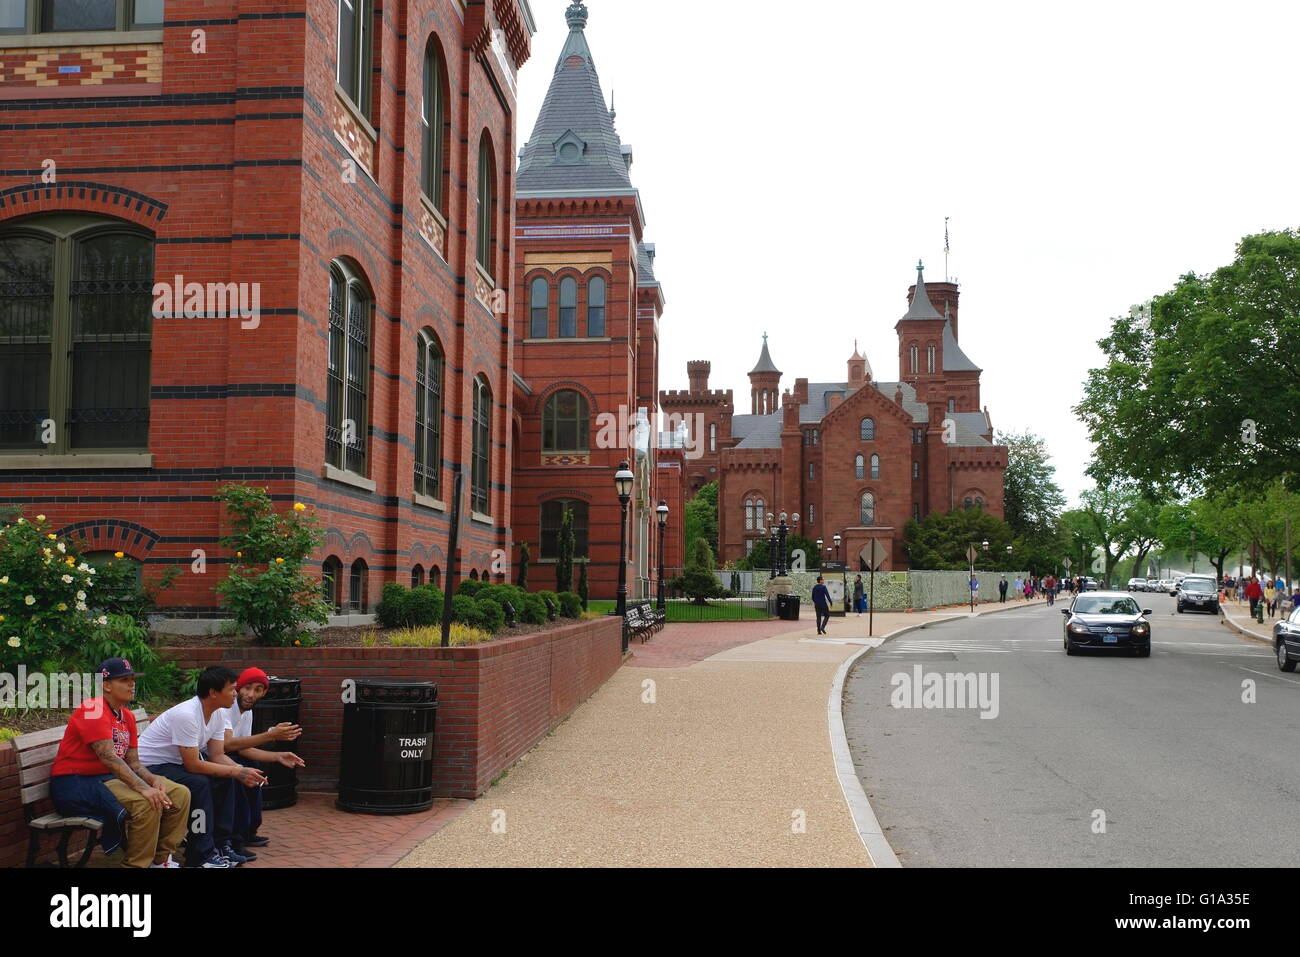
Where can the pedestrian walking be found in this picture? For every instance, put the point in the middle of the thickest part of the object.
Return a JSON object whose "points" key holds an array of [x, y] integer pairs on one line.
{"points": [[1002, 590], [1270, 598], [859, 600], [821, 597], [1254, 593], [1049, 588]]}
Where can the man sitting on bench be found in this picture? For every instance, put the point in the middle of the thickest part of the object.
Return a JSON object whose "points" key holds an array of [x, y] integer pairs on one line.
{"points": [[174, 744], [97, 773], [245, 748]]}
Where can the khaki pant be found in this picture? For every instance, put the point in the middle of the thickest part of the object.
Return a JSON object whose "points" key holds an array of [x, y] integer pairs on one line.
{"points": [[151, 836]]}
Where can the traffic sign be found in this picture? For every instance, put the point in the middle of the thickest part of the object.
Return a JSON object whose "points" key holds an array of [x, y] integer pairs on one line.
{"points": [[875, 555], [1067, 563], [972, 553]]}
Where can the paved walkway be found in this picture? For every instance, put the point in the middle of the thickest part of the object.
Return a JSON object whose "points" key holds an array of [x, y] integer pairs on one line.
{"points": [[1237, 616], [709, 748]]}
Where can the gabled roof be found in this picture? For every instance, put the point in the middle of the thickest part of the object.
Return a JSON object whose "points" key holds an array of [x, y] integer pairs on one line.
{"points": [[765, 363], [818, 405], [922, 307], [758, 431], [574, 145]]}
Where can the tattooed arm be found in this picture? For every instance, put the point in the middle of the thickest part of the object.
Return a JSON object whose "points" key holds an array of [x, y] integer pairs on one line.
{"points": [[132, 775]]}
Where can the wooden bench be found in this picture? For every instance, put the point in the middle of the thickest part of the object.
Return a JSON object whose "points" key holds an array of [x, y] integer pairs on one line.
{"points": [[36, 753]]}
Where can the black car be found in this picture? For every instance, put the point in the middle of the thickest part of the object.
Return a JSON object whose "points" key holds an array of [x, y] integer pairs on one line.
{"points": [[1199, 593], [1109, 619], [1286, 641]]}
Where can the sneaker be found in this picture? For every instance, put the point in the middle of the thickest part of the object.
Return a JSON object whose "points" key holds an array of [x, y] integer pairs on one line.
{"points": [[257, 841], [215, 862], [169, 864], [233, 856], [242, 851]]}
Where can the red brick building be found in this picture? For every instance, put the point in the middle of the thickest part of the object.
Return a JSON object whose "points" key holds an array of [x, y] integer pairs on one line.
{"points": [[586, 333], [857, 458], [341, 169]]}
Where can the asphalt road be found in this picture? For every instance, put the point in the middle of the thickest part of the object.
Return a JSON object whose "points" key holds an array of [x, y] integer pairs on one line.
{"points": [[1184, 771]]}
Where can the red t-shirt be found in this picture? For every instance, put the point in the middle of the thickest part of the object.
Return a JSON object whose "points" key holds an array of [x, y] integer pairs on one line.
{"points": [[93, 721]]}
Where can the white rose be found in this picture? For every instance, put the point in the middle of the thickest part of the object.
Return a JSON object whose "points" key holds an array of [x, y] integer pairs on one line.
{"points": [[67, 579], [5, 580], [102, 620], [61, 547], [81, 596], [30, 600], [82, 606]]}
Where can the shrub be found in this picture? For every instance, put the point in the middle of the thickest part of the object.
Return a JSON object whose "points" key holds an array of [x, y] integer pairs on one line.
{"points": [[8, 734], [190, 682], [122, 637], [564, 562], [394, 609], [584, 591], [491, 617], [278, 601], [522, 581], [45, 590], [460, 636], [570, 605], [117, 592], [533, 610], [464, 609], [424, 605], [502, 594], [470, 587]]}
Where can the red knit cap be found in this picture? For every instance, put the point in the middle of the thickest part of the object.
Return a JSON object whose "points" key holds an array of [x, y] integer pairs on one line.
{"points": [[252, 676]]}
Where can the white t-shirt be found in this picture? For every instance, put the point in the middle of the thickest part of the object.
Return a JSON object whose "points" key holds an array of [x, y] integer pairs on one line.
{"points": [[180, 727], [239, 723]]}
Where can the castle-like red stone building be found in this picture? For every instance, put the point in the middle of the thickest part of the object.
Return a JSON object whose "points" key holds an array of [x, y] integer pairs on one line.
{"points": [[857, 458]]}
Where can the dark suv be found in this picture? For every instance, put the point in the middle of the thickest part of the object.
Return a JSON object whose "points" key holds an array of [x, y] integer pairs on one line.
{"points": [[1199, 593], [1286, 641]]}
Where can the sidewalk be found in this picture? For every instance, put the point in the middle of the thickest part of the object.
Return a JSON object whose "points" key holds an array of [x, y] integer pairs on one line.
{"points": [[710, 747], [1236, 615]]}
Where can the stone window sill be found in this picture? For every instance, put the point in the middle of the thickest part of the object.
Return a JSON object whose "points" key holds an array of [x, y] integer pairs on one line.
{"points": [[425, 501], [348, 478], [86, 38], [355, 111], [480, 517], [93, 460], [567, 340]]}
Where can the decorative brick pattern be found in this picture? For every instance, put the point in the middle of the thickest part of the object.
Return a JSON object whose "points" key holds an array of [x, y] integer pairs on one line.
{"points": [[82, 66]]}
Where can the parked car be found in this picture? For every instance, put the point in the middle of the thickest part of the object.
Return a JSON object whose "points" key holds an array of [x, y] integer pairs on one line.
{"points": [[1107, 620], [1090, 584], [1136, 584], [1286, 641], [1199, 593]]}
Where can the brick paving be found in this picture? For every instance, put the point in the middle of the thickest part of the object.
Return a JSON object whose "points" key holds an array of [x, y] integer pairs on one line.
{"points": [[681, 644]]}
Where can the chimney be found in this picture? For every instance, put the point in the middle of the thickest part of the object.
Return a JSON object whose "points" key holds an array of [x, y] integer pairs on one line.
{"points": [[627, 158], [801, 391], [698, 373], [650, 250], [835, 398]]}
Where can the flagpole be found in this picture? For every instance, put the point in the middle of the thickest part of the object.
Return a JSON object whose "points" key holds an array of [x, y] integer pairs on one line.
{"points": [[945, 249]]}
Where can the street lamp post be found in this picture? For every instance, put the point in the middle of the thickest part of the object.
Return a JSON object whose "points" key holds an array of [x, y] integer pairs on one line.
{"points": [[623, 479], [771, 542], [844, 574], [662, 512]]}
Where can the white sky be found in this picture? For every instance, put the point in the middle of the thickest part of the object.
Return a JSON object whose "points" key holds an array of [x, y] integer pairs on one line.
{"points": [[795, 159]]}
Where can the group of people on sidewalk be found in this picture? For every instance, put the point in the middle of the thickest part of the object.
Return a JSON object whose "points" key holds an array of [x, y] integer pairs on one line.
{"points": [[1272, 592], [192, 776], [1029, 588]]}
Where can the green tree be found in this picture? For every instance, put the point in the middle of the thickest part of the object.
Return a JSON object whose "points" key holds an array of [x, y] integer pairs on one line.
{"points": [[939, 541], [702, 518], [522, 580], [698, 581], [1199, 390], [584, 591], [812, 559], [759, 558], [564, 561], [1032, 501]]}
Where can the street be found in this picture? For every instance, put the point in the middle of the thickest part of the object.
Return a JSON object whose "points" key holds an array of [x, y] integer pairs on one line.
{"points": [[1094, 760]]}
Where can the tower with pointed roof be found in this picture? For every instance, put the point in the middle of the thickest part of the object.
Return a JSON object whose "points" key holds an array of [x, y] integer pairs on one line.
{"points": [[585, 329], [765, 383]]}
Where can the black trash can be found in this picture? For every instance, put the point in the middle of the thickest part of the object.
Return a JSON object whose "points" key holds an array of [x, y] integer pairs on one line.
{"points": [[282, 702], [787, 607], [387, 761]]}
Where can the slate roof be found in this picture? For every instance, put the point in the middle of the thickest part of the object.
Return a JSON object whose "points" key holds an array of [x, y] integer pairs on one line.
{"points": [[645, 266], [574, 107], [815, 409], [758, 431], [765, 363], [954, 360], [922, 307]]}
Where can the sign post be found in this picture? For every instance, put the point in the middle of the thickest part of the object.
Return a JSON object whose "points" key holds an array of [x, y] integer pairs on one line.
{"points": [[875, 555], [972, 553]]}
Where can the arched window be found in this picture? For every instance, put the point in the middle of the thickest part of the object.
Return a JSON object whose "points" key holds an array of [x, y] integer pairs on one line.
{"points": [[540, 306], [979, 502], [812, 471], [568, 307], [913, 354], [749, 514], [332, 583], [859, 467], [417, 576], [480, 472], [754, 516], [435, 576], [812, 514], [487, 204], [713, 437], [355, 25], [952, 405], [359, 593], [473, 574], [85, 284], [867, 514], [875, 466], [867, 430], [929, 358], [347, 427], [433, 118], [428, 415], [566, 423], [916, 470], [553, 518], [596, 308]]}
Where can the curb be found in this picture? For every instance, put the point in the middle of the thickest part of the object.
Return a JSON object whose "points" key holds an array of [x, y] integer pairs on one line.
{"points": [[1225, 620], [864, 817]]}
